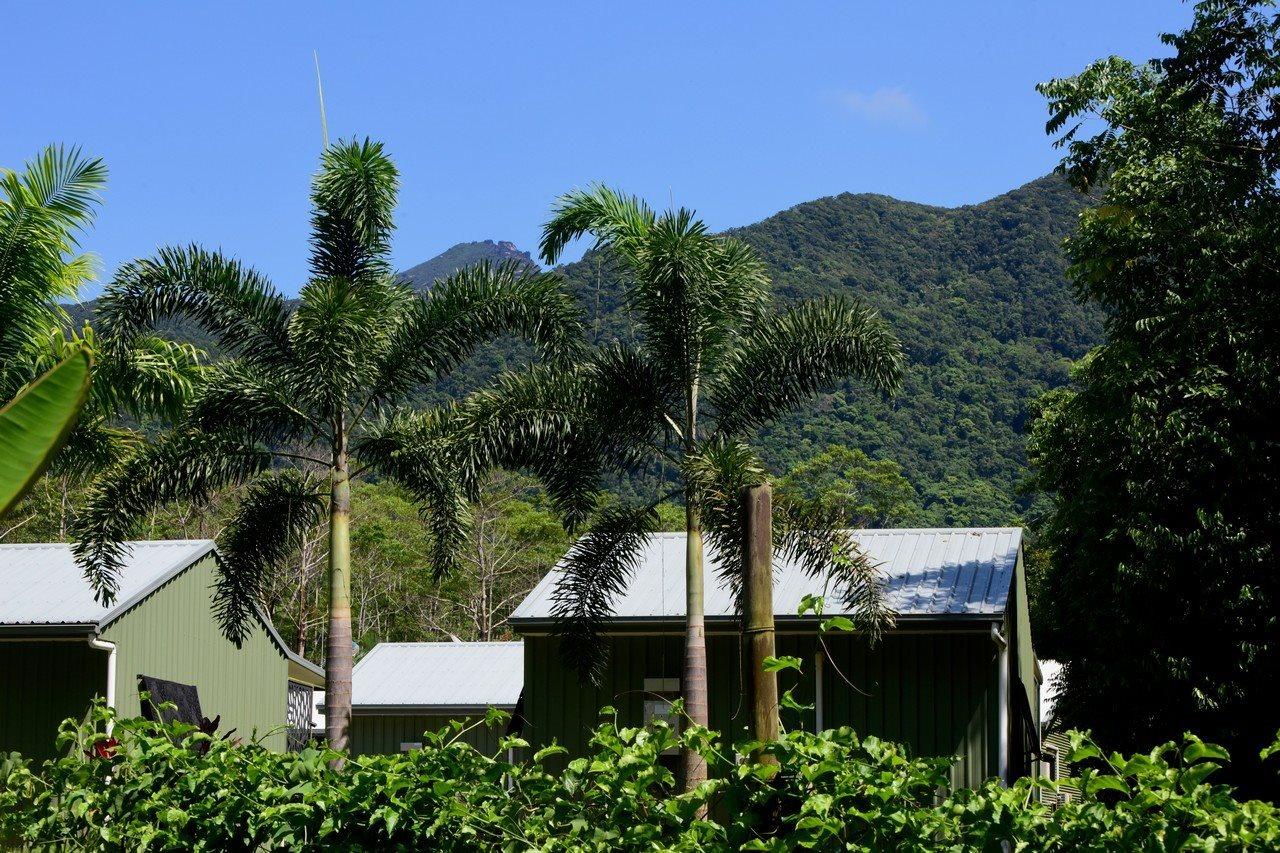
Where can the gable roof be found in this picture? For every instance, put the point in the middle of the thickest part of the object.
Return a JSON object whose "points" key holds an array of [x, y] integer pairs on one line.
{"points": [[45, 589], [438, 676], [930, 573], [43, 584]]}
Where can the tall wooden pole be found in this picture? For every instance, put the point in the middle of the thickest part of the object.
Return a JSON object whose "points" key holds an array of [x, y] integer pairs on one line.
{"points": [[762, 686]]}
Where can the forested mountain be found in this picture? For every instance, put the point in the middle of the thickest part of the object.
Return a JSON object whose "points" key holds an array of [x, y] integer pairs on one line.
{"points": [[463, 255], [977, 295]]}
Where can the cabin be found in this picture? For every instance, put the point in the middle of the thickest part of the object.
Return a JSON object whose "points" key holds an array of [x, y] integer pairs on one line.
{"points": [[956, 677], [400, 690], [60, 648]]}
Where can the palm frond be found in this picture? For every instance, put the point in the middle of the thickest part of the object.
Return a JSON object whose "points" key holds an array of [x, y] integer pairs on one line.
{"points": [[593, 573], [340, 335], [41, 210], [235, 397], [617, 220], [478, 304], [809, 348], [716, 475], [270, 523], [183, 465], [419, 450], [814, 535], [353, 197], [93, 446], [234, 304]]}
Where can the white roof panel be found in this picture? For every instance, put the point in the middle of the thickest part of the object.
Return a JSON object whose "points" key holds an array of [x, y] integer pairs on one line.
{"points": [[439, 675], [41, 584], [933, 572]]}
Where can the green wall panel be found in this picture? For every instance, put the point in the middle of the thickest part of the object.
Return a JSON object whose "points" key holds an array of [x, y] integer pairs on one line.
{"points": [[173, 634], [45, 682], [382, 734], [935, 692]]}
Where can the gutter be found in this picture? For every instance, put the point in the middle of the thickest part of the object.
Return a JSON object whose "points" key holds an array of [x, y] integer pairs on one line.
{"points": [[1003, 664], [110, 648]]}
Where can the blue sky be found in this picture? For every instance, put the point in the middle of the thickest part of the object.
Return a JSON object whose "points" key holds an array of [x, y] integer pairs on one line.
{"points": [[207, 116]]}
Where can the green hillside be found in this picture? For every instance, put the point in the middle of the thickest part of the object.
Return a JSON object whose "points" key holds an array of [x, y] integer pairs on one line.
{"points": [[977, 295]]}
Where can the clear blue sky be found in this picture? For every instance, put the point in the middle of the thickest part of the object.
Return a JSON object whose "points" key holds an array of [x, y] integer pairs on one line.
{"points": [[207, 117]]}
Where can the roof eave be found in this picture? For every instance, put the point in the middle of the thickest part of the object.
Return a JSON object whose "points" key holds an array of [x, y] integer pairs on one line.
{"points": [[428, 710]]}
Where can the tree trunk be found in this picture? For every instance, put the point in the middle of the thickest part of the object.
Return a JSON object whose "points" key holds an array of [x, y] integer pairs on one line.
{"points": [[337, 666], [693, 682], [762, 685]]}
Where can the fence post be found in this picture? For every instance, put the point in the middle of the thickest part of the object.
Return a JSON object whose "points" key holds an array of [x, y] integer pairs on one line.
{"points": [[762, 686]]}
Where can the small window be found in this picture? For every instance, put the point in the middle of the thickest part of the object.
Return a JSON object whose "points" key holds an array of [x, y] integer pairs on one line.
{"points": [[1049, 764], [409, 746], [659, 693]]}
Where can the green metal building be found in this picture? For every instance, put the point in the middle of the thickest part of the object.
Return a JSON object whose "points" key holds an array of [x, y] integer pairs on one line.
{"points": [[956, 677], [400, 690], [59, 648]]}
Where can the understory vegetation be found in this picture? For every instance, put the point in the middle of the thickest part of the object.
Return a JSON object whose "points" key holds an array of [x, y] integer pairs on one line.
{"points": [[150, 787]]}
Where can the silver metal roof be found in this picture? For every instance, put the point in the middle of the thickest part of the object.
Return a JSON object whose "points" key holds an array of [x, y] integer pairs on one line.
{"points": [[41, 584], [928, 573], [443, 676]]}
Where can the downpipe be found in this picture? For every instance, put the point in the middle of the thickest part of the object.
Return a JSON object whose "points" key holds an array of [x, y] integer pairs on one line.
{"points": [[1003, 645], [110, 648]]}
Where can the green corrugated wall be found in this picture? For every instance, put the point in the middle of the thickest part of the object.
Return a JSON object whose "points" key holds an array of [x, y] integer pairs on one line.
{"points": [[173, 634], [382, 734], [935, 692], [44, 683]]}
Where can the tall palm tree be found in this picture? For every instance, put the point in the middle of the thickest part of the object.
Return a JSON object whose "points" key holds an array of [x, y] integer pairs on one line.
{"points": [[308, 398], [711, 363]]}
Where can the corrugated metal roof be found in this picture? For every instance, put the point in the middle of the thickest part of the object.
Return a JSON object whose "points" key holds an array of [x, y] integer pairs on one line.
{"points": [[43, 585], [936, 572], [439, 675]]}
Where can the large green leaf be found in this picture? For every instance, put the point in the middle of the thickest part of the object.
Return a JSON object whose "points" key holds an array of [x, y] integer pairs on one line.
{"points": [[35, 424]]}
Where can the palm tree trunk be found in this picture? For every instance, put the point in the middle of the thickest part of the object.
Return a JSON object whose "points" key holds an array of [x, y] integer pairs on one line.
{"points": [[693, 682], [337, 666]]}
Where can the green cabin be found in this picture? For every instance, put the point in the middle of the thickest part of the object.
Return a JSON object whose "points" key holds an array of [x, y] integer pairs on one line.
{"points": [[956, 677], [400, 690], [60, 648]]}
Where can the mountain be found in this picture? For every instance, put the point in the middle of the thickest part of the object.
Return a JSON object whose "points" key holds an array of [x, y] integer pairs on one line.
{"points": [[464, 255], [977, 294], [979, 298]]}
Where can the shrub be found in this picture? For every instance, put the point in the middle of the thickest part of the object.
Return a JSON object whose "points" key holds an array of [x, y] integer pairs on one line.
{"points": [[150, 787]]}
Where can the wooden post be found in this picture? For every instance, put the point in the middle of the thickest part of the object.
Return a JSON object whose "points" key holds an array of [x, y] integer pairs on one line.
{"points": [[762, 686]]}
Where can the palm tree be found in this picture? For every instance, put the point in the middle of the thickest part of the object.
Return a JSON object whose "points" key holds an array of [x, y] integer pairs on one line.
{"points": [[307, 398], [711, 364], [41, 210]]}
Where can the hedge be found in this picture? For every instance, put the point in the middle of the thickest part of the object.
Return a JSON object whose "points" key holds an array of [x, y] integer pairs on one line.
{"points": [[152, 787]]}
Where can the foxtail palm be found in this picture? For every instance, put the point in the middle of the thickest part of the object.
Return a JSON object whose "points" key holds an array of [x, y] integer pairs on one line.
{"points": [[308, 398], [712, 362]]}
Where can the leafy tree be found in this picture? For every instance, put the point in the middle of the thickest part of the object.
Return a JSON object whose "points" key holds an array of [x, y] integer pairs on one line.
{"points": [[865, 492], [1163, 460], [306, 399], [710, 365]]}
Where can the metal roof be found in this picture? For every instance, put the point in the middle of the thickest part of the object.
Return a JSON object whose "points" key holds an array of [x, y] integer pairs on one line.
{"points": [[44, 587], [933, 573], [444, 676], [43, 584]]}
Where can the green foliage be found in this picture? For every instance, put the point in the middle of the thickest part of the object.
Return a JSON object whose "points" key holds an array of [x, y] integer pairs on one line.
{"points": [[173, 788], [35, 424], [866, 492], [977, 297], [41, 210], [1161, 464]]}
